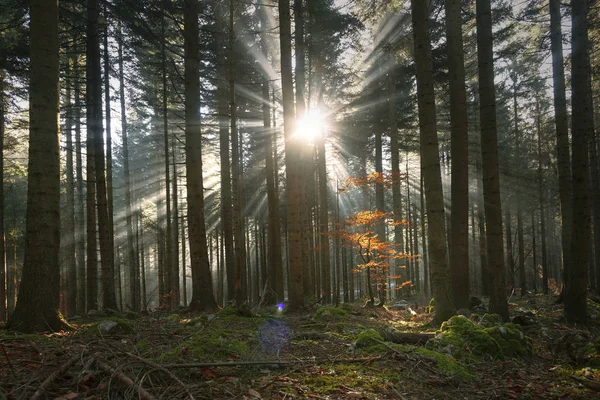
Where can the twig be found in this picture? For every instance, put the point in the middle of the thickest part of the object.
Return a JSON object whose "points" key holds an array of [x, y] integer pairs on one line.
{"points": [[12, 369], [144, 395], [53, 376], [166, 371], [406, 356]]}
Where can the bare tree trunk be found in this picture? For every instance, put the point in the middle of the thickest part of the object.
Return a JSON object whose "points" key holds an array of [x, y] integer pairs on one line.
{"points": [[459, 217], [202, 292], [542, 206], [38, 302], [3, 275], [489, 157], [430, 165], [561, 119], [293, 166], [133, 266], [109, 174], [582, 127], [70, 189]]}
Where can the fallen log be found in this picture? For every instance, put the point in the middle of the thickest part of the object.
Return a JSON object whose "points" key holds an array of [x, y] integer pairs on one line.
{"points": [[54, 376], [592, 385]]}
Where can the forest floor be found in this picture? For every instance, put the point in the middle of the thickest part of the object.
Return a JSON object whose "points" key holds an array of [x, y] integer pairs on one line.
{"points": [[323, 353]]}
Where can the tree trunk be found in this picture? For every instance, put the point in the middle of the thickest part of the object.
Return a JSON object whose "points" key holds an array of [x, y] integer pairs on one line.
{"points": [[489, 157], [202, 292], [542, 202], [175, 226], [224, 140], [94, 110], [80, 221], [133, 266], [459, 220], [3, 275], [109, 174], [170, 270], [293, 165], [561, 119], [582, 127], [38, 301], [70, 211], [430, 164]]}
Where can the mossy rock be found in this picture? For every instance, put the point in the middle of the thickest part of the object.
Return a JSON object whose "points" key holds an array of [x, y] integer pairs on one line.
{"points": [[173, 318], [468, 341], [489, 320], [511, 339], [130, 315], [208, 346], [328, 313], [446, 364], [110, 326], [197, 321], [368, 338]]}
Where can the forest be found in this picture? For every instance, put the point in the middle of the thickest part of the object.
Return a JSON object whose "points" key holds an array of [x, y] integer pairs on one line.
{"points": [[329, 199]]}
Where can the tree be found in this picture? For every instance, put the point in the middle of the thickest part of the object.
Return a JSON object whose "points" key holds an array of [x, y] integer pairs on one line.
{"points": [[94, 120], [202, 291], [459, 223], [582, 128], [293, 163], [38, 301], [562, 133], [430, 165], [489, 158]]}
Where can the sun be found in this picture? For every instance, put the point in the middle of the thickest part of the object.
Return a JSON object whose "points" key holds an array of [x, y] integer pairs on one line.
{"points": [[311, 126]]}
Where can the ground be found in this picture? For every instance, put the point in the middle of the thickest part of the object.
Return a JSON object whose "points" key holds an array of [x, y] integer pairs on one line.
{"points": [[323, 353]]}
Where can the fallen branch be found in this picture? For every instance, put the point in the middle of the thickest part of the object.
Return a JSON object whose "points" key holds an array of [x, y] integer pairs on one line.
{"points": [[407, 357], [124, 379], [53, 376], [166, 371], [592, 385]]}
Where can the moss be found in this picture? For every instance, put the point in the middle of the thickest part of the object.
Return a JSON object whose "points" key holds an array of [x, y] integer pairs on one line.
{"points": [[464, 340], [173, 318], [489, 320], [130, 315], [142, 345], [329, 381], [367, 338], [327, 313], [445, 364], [430, 309], [122, 327], [197, 321], [511, 339], [468, 341], [207, 346]]}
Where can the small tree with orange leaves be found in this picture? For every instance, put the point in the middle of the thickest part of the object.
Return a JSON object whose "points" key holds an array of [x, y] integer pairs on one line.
{"points": [[359, 231]]}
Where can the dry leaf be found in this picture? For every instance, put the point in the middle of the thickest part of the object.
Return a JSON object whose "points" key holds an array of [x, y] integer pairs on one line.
{"points": [[254, 393]]}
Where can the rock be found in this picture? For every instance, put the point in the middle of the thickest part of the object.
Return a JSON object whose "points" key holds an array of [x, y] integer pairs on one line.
{"points": [[399, 306], [108, 327]]}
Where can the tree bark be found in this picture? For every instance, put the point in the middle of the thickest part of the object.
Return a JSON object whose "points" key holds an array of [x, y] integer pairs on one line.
{"points": [[582, 127], [459, 219], [3, 275], [70, 210], [37, 308], [489, 157], [561, 119], [293, 166], [430, 164], [202, 291]]}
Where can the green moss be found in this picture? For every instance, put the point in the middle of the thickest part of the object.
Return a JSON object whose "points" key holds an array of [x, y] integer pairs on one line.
{"points": [[511, 339], [142, 345], [122, 327], [367, 338], [446, 364], [468, 341], [328, 313], [489, 320], [130, 315], [197, 321], [208, 346], [173, 318], [431, 307]]}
